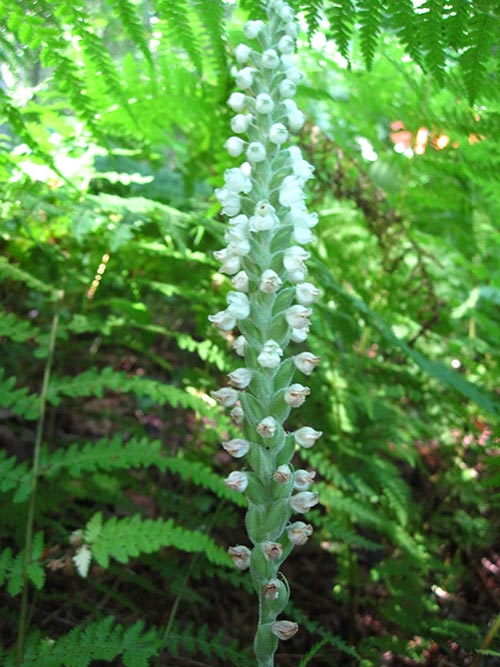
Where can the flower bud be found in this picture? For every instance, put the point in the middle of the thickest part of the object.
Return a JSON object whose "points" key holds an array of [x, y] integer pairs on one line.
{"points": [[241, 122], [237, 481], [286, 45], [240, 281], [237, 415], [225, 396], [231, 264], [256, 152], [287, 88], [302, 235], [242, 53], [240, 556], [296, 394], [284, 629], [271, 590], [237, 101], [296, 316], [294, 258], [244, 78], [235, 180], [240, 378], [270, 59], [223, 320], [306, 362], [234, 146], [306, 436], [239, 345], [296, 120], [253, 28], [267, 427], [303, 501], [270, 355], [286, 13], [270, 281], [299, 335], [282, 474], [238, 305], [237, 447], [299, 532], [293, 74], [229, 200], [302, 479], [306, 293], [292, 29], [278, 134], [264, 103], [272, 550]]}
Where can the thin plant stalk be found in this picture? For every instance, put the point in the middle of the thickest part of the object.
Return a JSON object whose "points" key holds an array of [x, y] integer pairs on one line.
{"points": [[35, 471]]}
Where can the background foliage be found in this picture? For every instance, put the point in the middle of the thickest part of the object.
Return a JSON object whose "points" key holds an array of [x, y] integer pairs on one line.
{"points": [[113, 120]]}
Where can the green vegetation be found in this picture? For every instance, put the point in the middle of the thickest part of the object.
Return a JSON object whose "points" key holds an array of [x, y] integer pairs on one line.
{"points": [[115, 520]]}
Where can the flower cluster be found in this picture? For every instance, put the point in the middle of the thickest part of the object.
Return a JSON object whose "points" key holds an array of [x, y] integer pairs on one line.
{"points": [[270, 304]]}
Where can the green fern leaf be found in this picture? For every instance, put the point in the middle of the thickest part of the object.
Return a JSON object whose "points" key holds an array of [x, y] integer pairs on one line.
{"points": [[10, 271], [482, 35], [19, 401], [13, 327], [433, 32], [14, 476], [134, 26], [176, 17], [404, 21], [123, 539], [369, 17], [342, 15]]}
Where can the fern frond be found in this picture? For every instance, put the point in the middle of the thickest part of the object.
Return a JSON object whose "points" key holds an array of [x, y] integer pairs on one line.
{"points": [[312, 13], [318, 629], [404, 20], [12, 567], [211, 17], [481, 38], [179, 29], [114, 454], [17, 329], [9, 271], [103, 640], [342, 15], [192, 639], [369, 17], [134, 26], [433, 32], [19, 401], [457, 23], [15, 477], [123, 539]]}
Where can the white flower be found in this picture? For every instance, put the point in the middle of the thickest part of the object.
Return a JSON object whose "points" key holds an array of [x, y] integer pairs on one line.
{"points": [[236, 181], [286, 13], [278, 134], [291, 193], [241, 556], [237, 481], [237, 414], [303, 501], [236, 447], [302, 479], [225, 396], [300, 216], [267, 427], [306, 293], [264, 103], [256, 152], [240, 248], [253, 28], [299, 335], [223, 320], [239, 345], [230, 264], [294, 151], [286, 45], [270, 355], [270, 59], [237, 101], [293, 261], [282, 474], [299, 532], [264, 218], [242, 53], [270, 281], [238, 305], [306, 436], [244, 78], [296, 120], [302, 235], [234, 146], [230, 201], [292, 30], [241, 122], [240, 281], [240, 378], [296, 394], [276, 5], [272, 550], [306, 362], [287, 88], [293, 74], [238, 219], [271, 590], [284, 629], [296, 316]]}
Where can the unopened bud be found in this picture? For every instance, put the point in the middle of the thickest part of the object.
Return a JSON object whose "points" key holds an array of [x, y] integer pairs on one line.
{"points": [[306, 362], [237, 414], [225, 396], [296, 394], [299, 532], [303, 501], [302, 479], [237, 481], [284, 629], [237, 447], [306, 436], [241, 556], [240, 378]]}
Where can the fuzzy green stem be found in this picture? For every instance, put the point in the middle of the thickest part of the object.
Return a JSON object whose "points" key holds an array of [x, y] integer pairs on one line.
{"points": [[35, 471]]}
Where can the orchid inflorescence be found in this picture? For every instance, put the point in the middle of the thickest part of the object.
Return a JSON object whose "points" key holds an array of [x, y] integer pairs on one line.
{"points": [[271, 305]]}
